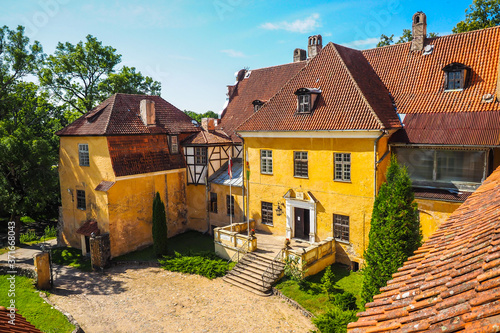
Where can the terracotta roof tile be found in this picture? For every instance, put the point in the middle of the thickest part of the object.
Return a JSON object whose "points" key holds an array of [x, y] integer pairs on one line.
{"points": [[416, 81], [104, 186], [461, 265], [262, 84], [207, 137], [437, 194], [88, 228], [120, 114], [21, 324], [352, 97]]}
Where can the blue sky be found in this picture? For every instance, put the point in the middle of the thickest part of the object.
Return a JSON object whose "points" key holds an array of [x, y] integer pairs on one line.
{"points": [[195, 47]]}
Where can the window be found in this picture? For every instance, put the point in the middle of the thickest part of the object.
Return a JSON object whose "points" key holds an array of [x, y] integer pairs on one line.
{"points": [[300, 164], [455, 76], [257, 104], [80, 200], [83, 154], [213, 202], [230, 205], [341, 227], [267, 212], [174, 145], [443, 168], [266, 161], [200, 155], [342, 166], [304, 103]]}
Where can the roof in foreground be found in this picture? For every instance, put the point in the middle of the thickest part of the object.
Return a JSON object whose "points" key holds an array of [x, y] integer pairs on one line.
{"points": [[452, 283], [21, 324], [352, 97], [262, 84], [416, 80], [120, 114]]}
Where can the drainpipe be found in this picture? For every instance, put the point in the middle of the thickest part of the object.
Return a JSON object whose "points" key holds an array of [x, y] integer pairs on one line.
{"points": [[376, 163]]}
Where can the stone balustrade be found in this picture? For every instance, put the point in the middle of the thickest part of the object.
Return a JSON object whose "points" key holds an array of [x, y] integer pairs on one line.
{"points": [[229, 239], [314, 258]]}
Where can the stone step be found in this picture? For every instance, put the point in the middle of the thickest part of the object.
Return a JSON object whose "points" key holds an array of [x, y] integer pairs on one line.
{"points": [[246, 287], [255, 271], [264, 259], [251, 284], [260, 268], [250, 276]]}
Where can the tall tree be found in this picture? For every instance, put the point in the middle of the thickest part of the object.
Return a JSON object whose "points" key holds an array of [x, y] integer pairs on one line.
{"points": [[159, 226], [385, 40], [405, 37], [394, 232], [198, 116], [481, 14], [81, 75]]}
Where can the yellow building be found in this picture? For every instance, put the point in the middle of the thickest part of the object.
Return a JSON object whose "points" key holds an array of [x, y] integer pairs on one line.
{"points": [[317, 152], [113, 160]]}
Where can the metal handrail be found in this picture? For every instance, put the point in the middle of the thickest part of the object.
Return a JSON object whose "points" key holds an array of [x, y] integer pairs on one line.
{"points": [[240, 249], [271, 268]]}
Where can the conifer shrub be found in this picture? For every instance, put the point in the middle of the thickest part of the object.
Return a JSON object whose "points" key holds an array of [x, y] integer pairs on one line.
{"points": [[328, 282], [334, 321], [394, 232], [159, 226], [345, 301]]}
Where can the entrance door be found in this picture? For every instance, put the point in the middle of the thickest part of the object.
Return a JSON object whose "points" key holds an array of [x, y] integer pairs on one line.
{"points": [[87, 244], [302, 223]]}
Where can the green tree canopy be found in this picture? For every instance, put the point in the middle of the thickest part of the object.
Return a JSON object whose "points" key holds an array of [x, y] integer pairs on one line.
{"points": [[81, 75], [394, 232], [481, 14], [405, 37], [198, 116]]}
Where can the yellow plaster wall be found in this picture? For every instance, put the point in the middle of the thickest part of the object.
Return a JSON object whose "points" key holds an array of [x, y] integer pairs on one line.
{"points": [[433, 213], [131, 209], [197, 207], [221, 218], [73, 176], [354, 198]]}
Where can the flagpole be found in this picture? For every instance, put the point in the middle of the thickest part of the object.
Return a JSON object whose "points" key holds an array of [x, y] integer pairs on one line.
{"points": [[230, 166]]}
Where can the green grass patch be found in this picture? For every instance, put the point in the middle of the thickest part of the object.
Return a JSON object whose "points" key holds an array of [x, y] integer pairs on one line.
{"points": [[189, 242], [27, 220], [32, 307], [70, 256], [4, 250], [313, 298], [206, 264], [28, 236], [39, 240]]}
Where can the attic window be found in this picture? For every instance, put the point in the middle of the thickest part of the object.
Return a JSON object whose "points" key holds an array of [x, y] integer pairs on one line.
{"points": [[257, 104], [455, 76], [306, 98]]}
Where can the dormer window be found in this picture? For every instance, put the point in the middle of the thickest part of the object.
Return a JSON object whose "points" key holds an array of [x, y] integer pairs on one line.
{"points": [[455, 76], [257, 104], [306, 98]]}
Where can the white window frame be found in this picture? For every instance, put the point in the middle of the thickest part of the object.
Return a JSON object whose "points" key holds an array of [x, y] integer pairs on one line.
{"points": [[174, 144], [83, 154], [342, 167], [298, 158], [266, 161], [304, 102]]}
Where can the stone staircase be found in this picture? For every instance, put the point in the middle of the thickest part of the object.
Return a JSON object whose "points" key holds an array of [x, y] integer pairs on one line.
{"points": [[247, 274]]}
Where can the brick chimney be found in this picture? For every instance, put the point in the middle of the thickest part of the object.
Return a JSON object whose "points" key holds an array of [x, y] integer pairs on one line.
{"points": [[208, 124], [299, 55], [314, 45], [419, 31], [148, 115]]}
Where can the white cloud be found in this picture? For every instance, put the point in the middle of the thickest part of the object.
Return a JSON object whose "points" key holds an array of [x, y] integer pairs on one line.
{"points": [[233, 53], [362, 43], [306, 25]]}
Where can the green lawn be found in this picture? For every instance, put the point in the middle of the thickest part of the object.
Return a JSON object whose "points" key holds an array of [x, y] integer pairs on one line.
{"points": [[70, 256], [32, 307], [188, 242], [313, 299]]}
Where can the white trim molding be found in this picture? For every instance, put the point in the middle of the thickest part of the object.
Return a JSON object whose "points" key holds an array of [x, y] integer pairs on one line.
{"points": [[292, 203], [150, 174]]}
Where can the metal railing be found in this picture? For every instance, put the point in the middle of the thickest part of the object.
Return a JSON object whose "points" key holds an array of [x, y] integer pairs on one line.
{"points": [[269, 272], [243, 248]]}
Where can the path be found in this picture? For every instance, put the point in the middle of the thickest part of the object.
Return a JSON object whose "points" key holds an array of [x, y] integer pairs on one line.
{"points": [[24, 255]]}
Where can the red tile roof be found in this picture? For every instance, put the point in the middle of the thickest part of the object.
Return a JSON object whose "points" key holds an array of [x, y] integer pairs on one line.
{"points": [[452, 282], [261, 85], [104, 186], [88, 228], [458, 128], [438, 194], [207, 137], [120, 114], [21, 324], [352, 97], [416, 81], [136, 154]]}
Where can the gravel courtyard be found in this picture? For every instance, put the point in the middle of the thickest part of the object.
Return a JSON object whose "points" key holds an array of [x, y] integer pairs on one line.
{"points": [[147, 299]]}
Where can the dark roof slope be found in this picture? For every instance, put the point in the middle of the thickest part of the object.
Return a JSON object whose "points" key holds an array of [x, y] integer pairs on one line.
{"points": [[352, 97], [262, 84], [452, 283], [416, 81], [120, 114], [207, 137]]}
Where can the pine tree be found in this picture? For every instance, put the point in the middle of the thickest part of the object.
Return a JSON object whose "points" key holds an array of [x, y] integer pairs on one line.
{"points": [[395, 230], [159, 226]]}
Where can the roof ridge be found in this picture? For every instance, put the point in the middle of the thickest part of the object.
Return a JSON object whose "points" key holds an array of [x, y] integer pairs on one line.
{"points": [[112, 105], [356, 83], [282, 65]]}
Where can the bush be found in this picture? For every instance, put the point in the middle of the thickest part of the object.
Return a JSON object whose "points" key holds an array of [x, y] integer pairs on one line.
{"points": [[328, 282], [159, 227], [295, 272], [206, 264], [345, 301], [28, 236], [27, 220], [334, 321], [50, 231], [70, 256], [394, 232]]}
